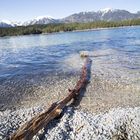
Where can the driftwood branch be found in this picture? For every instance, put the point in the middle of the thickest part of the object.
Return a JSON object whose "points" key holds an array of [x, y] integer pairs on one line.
{"points": [[29, 129]]}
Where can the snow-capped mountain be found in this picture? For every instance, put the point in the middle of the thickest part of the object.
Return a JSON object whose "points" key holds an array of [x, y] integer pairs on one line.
{"points": [[41, 20], [107, 14], [106, 10], [110, 14], [37, 20], [7, 23]]}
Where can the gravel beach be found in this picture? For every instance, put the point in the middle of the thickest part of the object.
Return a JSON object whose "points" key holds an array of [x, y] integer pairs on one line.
{"points": [[38, 70], [116, 124], [108, 109], [111, 101]]}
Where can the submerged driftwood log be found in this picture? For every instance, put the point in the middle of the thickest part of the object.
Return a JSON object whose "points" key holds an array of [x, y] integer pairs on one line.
{"points": [[29, 129]]}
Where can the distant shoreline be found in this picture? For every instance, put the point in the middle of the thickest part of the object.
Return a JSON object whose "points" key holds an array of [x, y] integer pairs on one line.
{"points": [[66, 27], [82, 30], [94, 29]]}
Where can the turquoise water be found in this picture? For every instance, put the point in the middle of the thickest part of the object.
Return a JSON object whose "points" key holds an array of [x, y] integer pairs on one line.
{"points": [[25, 59]]}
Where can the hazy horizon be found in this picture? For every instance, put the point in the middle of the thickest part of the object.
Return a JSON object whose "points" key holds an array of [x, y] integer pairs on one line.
{"points": [[24, 10]]}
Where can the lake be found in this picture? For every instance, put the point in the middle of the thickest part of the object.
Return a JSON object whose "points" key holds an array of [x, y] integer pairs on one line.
{"points": [[29, 63]]}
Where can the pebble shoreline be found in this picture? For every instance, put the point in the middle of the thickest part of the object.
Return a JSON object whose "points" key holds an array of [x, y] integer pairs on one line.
{"points": [[115, 124], [112, 96]]}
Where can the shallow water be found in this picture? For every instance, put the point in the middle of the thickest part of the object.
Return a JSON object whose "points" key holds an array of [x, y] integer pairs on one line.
{"points": [[30, 63]]}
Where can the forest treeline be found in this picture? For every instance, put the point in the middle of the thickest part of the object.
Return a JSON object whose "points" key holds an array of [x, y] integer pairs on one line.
{"points": [[50, 28]]}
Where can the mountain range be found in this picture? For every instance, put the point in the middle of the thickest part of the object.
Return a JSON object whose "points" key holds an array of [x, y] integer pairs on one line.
{"points": [[82, 17]]}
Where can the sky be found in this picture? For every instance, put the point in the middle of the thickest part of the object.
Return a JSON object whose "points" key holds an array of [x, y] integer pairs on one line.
{"points": [[23, 10]]}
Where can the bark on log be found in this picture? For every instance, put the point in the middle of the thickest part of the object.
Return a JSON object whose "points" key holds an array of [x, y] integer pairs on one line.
{"points": [[29, 129]]}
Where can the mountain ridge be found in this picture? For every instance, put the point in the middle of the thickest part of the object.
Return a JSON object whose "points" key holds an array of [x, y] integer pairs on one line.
{"points": [[107, 14]]}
